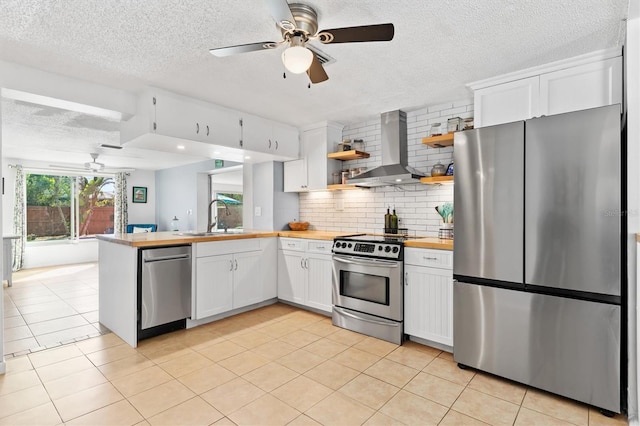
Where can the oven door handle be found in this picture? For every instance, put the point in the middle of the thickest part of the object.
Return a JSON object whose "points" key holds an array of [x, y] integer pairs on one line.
{"points": [[363, 262], [350, 315]]}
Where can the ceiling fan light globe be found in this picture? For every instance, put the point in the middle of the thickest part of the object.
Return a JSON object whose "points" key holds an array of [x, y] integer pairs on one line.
{"points": [[297, 59]]}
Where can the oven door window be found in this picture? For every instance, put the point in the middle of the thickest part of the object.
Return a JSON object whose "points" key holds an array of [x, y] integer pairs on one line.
{"points": [[371, 288]]}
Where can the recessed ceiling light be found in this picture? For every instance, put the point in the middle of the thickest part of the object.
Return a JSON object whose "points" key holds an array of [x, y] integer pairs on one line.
{"points": [[217, 152], [247, 158], [180, 147], [398, 180]]}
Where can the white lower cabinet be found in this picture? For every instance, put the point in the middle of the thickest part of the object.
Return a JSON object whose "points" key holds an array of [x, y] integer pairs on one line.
{"points": [[428, 295], [232, 274], [247, 289], [214, 292], [304, 272]]}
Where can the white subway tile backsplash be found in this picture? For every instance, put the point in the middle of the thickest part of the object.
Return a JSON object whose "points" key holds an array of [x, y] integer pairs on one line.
{"points": [[364, 209]]}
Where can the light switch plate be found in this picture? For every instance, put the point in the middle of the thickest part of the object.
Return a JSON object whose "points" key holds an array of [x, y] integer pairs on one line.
{"points": [[258, 211], [339, 204]]}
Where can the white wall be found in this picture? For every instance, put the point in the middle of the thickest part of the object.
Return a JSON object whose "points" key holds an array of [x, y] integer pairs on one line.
{"points": [[364, 209], [3, 366], [632, 64], [183, 190], [142, 212], [277, 208]]}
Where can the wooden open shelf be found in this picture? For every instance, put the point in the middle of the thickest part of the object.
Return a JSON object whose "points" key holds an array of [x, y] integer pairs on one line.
{"points": [[340, 187], [436, 180], [439, 141], [348, 155]]}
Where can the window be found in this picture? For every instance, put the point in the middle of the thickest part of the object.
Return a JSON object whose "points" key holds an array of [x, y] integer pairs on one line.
{"points": [[232, 203], [68, 207], [226, 185]]}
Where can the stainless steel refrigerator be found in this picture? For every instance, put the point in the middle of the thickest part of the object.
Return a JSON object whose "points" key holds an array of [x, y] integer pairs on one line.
{"points": [[538, 253]]}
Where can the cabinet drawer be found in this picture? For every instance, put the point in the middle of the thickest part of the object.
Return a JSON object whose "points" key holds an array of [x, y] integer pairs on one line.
{"points": [[319, 246], [295, 244], [428, 257], [225, 247]]}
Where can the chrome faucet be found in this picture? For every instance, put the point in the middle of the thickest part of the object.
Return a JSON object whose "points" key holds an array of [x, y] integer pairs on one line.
{"points": [[212, 224]]}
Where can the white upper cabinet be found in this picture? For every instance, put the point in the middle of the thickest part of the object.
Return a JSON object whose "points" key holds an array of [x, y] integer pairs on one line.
{"points": [[586, 86], [504, 103], [314, 170], [164, 120], [583, 82], [262, 135]]}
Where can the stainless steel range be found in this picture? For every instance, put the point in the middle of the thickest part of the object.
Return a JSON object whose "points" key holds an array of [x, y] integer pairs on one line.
{"points": [[367, 285]]}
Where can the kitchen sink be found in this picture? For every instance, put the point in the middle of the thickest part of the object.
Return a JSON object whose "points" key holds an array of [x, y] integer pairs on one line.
{"points": [[212, 233]]}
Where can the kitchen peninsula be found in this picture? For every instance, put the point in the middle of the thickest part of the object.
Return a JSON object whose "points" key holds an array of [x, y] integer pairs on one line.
{"points": [[224, 270]]}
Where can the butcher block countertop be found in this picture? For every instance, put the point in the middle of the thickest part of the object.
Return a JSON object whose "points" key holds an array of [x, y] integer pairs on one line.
{"points": [[153, 239], [430, 242]]}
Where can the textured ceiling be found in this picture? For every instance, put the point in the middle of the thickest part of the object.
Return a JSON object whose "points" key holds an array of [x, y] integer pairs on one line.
{"points": [[439, 46]]}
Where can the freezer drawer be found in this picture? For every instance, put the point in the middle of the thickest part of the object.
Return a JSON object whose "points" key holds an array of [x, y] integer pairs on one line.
{"points": [[565, 346]]}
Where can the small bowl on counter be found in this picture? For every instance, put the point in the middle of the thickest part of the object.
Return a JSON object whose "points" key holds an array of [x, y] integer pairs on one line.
{"points": [[298, 226]]}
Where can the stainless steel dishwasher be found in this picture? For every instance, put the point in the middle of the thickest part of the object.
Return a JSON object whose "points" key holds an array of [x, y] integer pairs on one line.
{"points": [[165, 289]]}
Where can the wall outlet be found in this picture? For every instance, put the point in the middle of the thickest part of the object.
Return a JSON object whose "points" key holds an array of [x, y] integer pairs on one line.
{"points": [[258, 211]]}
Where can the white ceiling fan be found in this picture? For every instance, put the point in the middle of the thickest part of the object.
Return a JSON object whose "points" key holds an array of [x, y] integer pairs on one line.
{"points": [[93, 166]]}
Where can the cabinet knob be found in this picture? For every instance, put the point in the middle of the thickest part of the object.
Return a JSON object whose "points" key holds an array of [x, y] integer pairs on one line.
{"points": [[406, 278], [236, 264], [207, 130], [269, 143], [231, 265], [276, 144], [197, 128]]}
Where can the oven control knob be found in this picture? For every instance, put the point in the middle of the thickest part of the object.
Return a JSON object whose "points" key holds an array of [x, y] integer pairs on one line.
{"points": [[344, 245], [379, 248], [396, 249], [387, 249], [349, 245]]}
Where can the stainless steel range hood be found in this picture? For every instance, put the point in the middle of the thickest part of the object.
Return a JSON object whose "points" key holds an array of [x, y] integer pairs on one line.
{"points": [[394, 169]]}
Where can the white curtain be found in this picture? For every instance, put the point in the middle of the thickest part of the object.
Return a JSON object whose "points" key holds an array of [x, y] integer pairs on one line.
{"points": [[19, 220], [121, 217]]}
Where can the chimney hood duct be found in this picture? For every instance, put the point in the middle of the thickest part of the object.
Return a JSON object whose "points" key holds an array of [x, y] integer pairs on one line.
{"points": [[394, 169]]}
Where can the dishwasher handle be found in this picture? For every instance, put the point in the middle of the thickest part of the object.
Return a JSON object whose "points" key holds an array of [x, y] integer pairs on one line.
{"points": [[167, 258]]}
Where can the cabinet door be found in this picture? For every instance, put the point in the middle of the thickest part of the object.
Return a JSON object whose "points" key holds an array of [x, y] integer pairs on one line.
{"points": [[291, 276], [285, 141], [319, 276], [178, 117], [314, 146], [508, 102], [428, 304], [214, 285], [586, 86], [295, 176], [247, 285], [256, 134], [224, 127]]}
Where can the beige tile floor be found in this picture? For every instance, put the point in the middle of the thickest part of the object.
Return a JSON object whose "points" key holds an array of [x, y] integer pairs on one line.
{"points": [[46, 307], [274, 365]]}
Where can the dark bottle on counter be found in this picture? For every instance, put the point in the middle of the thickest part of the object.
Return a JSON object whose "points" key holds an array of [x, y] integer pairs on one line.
{"points": [[394, 222], [387, 221]]}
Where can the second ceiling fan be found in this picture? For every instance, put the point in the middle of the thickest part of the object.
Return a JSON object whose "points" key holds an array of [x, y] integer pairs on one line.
{"points": [[298, 24]]}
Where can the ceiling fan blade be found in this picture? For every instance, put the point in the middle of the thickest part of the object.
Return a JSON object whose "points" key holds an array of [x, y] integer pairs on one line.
{"points": [[380, 32], [279, 10], [242, 48], [316, 71]]}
